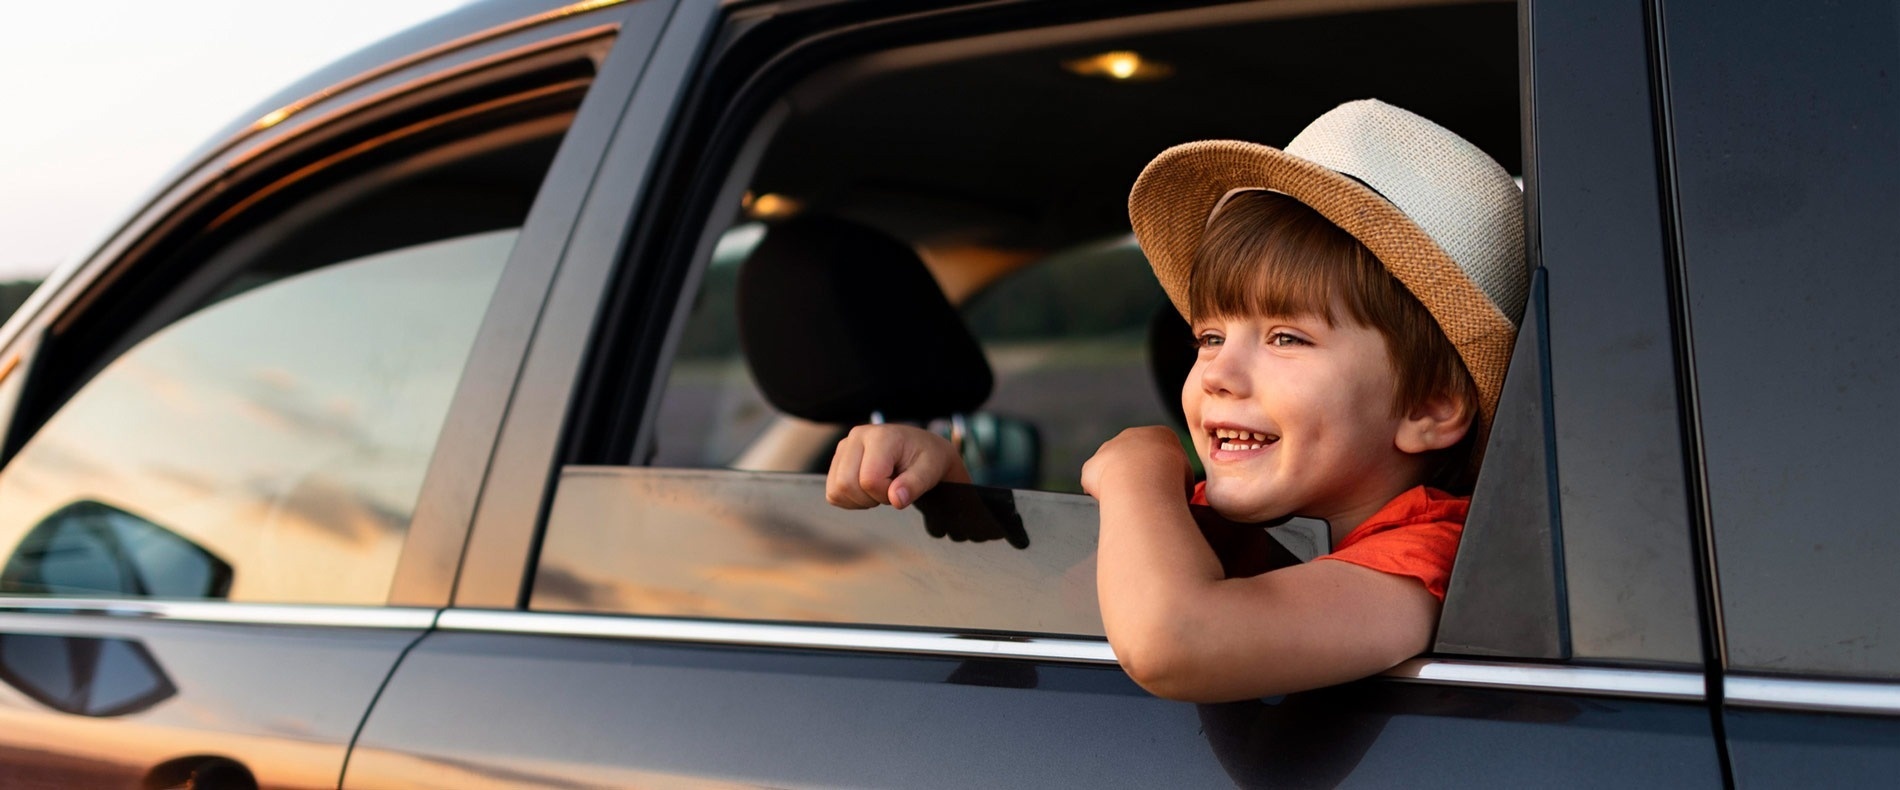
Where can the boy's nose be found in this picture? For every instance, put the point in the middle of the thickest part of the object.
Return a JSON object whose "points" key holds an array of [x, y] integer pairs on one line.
{"points": [[1226, 373]]}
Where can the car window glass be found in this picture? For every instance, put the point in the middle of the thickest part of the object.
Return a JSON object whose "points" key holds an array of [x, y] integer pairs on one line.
{"points": [[1787, 136], [760, 546], [267, 448]]}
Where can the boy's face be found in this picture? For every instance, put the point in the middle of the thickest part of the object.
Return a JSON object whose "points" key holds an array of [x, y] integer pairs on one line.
{"points": [[1322, 397]]}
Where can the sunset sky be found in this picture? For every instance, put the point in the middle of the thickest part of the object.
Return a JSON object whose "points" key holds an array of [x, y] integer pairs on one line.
{"points": [[104, 97]]}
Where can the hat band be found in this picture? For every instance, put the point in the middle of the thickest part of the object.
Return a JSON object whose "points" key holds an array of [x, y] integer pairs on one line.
{"points": [[1218, 204]]}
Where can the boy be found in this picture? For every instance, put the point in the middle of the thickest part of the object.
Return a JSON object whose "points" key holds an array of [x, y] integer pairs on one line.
{"points": [[1354, 300]]}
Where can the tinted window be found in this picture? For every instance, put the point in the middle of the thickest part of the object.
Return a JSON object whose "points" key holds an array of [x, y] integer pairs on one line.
{"points": [[759, 546], [1787, 133], [269, 447], [762, 546]]}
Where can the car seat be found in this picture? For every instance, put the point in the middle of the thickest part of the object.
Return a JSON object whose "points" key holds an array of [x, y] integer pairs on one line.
{"points": [[1170, 358], [842, 324]]}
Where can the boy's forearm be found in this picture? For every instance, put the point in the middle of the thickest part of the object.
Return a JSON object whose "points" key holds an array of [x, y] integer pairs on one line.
{"points": [[1152, 561]]}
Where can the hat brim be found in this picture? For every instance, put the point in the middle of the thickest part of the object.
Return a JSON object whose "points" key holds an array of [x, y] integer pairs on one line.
{"points": [[1169, 208]]}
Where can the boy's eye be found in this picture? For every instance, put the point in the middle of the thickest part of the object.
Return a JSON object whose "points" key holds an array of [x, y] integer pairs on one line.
{"points": [[1282, 339], [1208, 340]]}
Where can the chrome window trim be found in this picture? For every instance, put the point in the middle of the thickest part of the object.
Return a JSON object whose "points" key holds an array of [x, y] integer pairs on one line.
{"points": [[1837, 696], [1602, 681], [223, 612], [278, 115], [1667, 684], [786, 635]]}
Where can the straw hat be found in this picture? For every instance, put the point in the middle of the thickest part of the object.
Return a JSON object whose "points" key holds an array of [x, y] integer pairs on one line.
{"points": [[1444, 218]]}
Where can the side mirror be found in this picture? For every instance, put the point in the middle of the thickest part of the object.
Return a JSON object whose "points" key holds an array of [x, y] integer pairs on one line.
{"points": [[84, 675], [91, 548]]}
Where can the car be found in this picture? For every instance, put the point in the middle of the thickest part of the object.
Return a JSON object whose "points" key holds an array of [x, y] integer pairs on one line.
{"points": [[458, 417]]}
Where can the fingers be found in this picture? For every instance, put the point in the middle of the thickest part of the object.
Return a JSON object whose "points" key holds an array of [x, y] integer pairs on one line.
{"points": [[882, 451], [886, 465], [841, 482], [922, 472], [1148, 453]]}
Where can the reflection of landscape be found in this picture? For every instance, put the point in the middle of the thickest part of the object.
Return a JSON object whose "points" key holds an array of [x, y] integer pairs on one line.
{"points": [[286, 429], [767, 547], [285, 703]]}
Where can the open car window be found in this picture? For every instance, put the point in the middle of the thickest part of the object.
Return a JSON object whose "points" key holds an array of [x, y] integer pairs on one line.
{"points": [[898, 209]]}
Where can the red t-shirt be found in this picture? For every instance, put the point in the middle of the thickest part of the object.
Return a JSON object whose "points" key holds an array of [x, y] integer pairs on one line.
{"points": [[1414, 535]]}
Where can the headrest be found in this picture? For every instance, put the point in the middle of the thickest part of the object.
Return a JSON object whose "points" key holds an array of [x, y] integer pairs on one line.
{"points": [[838, 320], [1171, 357]]}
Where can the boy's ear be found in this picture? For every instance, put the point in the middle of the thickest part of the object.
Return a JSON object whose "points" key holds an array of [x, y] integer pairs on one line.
{"points": [[1440, 422]]}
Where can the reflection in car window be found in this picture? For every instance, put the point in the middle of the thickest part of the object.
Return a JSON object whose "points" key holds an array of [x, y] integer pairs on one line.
{"points": [[689, 543], [282, 433]]}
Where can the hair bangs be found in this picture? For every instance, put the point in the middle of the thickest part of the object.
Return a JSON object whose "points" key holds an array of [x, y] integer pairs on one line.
{"points": [[1266, 253]]}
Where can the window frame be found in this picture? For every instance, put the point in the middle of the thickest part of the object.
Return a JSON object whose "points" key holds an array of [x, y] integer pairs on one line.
{"points": [[496, 60], [677, 231], [603, 412]]}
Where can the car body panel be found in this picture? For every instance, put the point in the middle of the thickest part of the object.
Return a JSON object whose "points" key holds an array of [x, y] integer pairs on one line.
{"points": [[282, 701], [278, 692], [557, 711]]}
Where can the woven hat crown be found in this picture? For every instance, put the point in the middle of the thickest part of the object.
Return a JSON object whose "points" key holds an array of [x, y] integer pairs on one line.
{"points": [[1459, 196]]}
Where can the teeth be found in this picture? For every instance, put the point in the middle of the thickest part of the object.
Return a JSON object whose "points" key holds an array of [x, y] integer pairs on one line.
{"points": [[1229, 433]]}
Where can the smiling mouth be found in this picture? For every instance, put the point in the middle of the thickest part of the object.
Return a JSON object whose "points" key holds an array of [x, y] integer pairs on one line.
{"points": [[1234, 440]]}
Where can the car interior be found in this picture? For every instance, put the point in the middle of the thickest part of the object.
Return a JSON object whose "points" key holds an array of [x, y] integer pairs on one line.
{"points": [[1000, 167]]}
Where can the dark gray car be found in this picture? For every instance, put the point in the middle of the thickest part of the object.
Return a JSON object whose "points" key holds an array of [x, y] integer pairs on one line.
{"points": [[421, 431]]}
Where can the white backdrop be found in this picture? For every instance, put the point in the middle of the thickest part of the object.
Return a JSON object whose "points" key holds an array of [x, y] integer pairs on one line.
{"points": [[101, 98]]}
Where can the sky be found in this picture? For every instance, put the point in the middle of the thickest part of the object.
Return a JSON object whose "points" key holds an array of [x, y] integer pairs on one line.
{"points": [[99, 99]]}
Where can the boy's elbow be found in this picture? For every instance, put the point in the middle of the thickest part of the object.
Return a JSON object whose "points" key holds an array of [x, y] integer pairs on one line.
{"points": [[1173, 677], [1165, 665]]}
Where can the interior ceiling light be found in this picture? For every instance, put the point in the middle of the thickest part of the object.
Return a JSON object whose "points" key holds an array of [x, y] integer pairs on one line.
{"points": [[1120, 65], [770, 205]]}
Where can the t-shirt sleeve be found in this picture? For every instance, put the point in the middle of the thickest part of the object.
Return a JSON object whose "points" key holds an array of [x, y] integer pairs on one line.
{"points": [[1421, 550]]}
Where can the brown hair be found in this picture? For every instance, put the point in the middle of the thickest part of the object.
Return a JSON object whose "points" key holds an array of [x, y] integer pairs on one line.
{"points": [[1268, 254]]}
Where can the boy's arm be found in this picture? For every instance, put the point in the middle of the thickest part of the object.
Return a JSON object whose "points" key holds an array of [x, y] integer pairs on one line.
{"points": [[1183, 631]]}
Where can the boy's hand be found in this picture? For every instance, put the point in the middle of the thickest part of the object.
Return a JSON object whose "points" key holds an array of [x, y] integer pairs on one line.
{"points": [[890, 465], [1149, 457]]}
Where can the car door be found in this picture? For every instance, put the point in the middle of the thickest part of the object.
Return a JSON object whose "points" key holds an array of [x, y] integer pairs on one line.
{"points": [[1786, 147], [629, 613], [223, 457]]}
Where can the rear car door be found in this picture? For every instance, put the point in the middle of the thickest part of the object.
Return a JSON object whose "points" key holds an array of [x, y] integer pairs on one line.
{"points": [[631, 613], [222, 485], [1786, 145]]}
